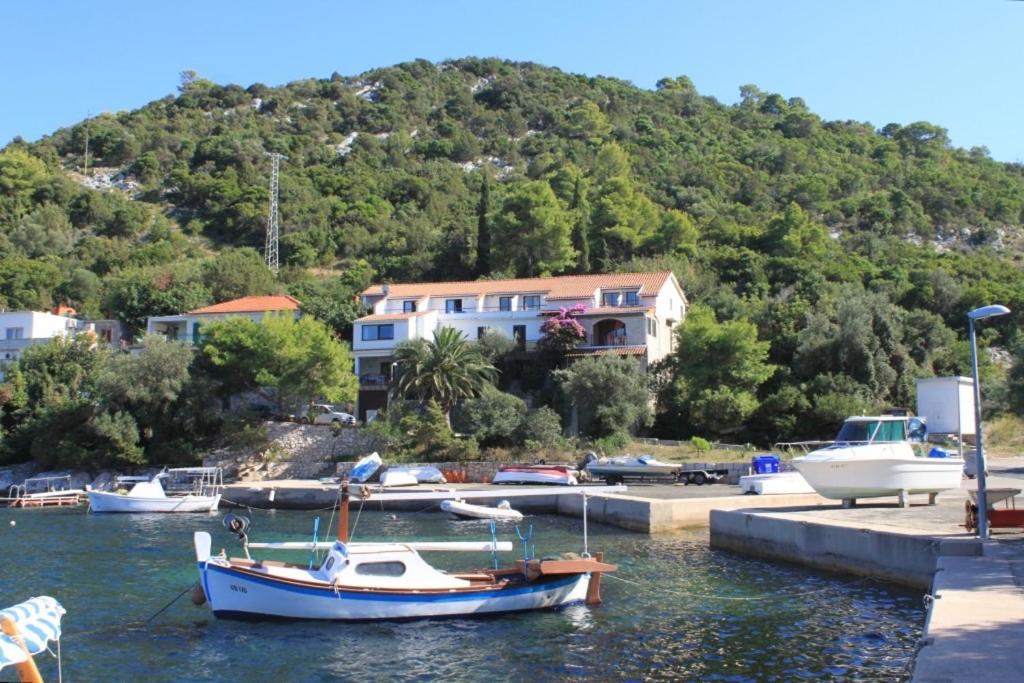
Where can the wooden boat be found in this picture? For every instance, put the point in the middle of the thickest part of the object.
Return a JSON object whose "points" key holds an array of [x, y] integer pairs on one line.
{"points": [[150, 496], [536, 474], [372, 581], [502, 511]]}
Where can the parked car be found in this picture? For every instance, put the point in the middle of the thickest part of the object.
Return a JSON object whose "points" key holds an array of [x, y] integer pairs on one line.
{"points": [[325, 414]]}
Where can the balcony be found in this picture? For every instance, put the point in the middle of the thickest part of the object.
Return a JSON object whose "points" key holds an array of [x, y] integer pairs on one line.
{"points": [[373, 380]]}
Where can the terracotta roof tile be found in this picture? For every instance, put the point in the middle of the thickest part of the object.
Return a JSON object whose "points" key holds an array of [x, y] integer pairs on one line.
{"points": [[560, 287], [252, 304]]}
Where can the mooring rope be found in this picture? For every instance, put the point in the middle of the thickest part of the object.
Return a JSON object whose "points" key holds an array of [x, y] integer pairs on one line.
{"points": [[176, 597], [711, 596]]}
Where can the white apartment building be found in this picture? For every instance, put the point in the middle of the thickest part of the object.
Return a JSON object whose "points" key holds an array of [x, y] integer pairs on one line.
{"points": [[632, 314]]}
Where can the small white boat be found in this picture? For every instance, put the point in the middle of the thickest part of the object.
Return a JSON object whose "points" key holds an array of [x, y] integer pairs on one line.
{"points": [[628, 466], [775, 483], [396, 477], [874, 457], [502, 511], [536, 474], [373, 581], [150, 496], [364, 470], [424, 474]]}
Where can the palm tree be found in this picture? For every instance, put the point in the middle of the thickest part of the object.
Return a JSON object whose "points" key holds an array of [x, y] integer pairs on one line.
{"points": [[446, 369]]}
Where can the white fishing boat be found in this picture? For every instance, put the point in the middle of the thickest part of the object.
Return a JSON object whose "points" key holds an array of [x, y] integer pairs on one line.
{"points": [[502, 511], [628, 466], [536, 474], [204, 485], [372, 581], [874, 457]]}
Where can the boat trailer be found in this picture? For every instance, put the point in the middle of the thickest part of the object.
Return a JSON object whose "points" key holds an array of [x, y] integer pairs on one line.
{"points": [[1007, 517]]}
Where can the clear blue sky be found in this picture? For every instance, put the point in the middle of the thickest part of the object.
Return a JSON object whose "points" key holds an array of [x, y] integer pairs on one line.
{"points": [[956, 63]]}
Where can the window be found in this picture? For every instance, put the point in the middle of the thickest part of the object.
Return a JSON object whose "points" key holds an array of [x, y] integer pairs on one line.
{"points": [[519, 336], [15, 332], [531, 302], [453, 306], [480, 332], [380, 568], [375, 332], [504, 303], [408, 307], [610, 298], [632, 298]]}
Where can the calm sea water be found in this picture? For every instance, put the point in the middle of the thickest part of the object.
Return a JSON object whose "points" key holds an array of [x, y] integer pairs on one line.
{"points": [[112, 572]]}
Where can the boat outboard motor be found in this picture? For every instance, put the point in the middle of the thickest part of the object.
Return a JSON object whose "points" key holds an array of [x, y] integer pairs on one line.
{"points": [[590, 457], [238, 525]]}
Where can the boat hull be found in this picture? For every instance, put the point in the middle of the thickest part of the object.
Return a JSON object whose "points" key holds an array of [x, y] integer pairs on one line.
{"points": [[239, 594], [468, 511], [101, 501], [665, 470], [535, 475], [843, 478]]}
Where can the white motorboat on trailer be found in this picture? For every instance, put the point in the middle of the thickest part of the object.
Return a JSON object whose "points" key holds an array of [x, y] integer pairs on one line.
{"points": [[371, 581], [502, 511], [630, 467], [203, 494], [874, 457]]}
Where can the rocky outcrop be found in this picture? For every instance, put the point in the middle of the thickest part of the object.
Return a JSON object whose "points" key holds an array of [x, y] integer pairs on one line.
{"points": [[293, 451]]}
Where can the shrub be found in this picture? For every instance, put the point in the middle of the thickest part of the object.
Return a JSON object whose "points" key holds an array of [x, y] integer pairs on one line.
{"points": [[540, 429], [492, 419], [700, 445]]}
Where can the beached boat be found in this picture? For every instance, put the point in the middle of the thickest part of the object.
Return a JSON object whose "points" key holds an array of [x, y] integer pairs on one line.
{"points": [[874, 457], [204, 485], [396, 477], [424, 474], [364, 470], [371, 581], [536, 474], [630, 467], [502, 511]]}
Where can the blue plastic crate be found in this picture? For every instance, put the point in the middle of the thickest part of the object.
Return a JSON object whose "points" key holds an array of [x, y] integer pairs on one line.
{"points": [[765, 464]]}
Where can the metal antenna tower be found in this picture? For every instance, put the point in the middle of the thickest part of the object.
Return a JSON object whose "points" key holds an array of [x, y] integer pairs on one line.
{"points": [[273, 230]]}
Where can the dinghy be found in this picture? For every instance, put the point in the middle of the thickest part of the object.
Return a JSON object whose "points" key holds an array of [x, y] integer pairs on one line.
{"points": [[502, 511], [396, 477], [364, 470], [373, 581], [205, 485]]}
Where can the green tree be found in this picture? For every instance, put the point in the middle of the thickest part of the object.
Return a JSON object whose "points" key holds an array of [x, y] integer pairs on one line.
{"points": [[492, 419], [235, 273], [445, 369], [45, 231], [610, 394], [483, 228], [535, 232]]}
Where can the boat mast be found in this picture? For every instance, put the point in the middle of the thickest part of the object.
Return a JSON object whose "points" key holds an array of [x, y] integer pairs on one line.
{"points": [[343, 512]]}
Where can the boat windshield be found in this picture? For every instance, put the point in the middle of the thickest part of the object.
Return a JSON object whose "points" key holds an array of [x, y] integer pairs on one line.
{"points": [[872, 431]]}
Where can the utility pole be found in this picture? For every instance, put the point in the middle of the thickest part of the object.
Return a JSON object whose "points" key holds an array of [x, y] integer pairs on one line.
{"points": [[273, 230]]}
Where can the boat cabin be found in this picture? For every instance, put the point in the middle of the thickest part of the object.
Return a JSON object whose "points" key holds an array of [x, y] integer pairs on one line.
{"points": [[881, 429], [390, 566]]}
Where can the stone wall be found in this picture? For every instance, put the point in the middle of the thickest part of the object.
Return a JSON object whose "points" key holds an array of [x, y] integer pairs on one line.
{"points": [[293, 451]]}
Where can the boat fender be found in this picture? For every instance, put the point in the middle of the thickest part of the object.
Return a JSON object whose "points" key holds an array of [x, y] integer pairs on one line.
{"points": [[198, 595], [237, 525]]}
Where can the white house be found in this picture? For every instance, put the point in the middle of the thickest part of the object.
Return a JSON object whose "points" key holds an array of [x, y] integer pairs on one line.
{"points": [[186, 326], [631, 314], [21, 329]]}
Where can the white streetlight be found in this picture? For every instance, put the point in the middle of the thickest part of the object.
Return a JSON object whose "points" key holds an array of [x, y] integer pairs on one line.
{"points": [[980, 314]]}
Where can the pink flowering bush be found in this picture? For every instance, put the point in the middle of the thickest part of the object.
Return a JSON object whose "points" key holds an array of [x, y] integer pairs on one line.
{"points": [[562, 332]]}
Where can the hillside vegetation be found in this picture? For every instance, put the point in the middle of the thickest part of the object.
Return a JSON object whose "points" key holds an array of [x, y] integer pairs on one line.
{"points": [[830, 263]]}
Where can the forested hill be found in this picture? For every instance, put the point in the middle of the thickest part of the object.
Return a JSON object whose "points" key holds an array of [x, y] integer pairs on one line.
{"points": [[855, 251]]}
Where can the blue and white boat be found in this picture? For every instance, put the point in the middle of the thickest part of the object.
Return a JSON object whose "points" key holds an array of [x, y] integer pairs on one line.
{"points": [[370, 581]]}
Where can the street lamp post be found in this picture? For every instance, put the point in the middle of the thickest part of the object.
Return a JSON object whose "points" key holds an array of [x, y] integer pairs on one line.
{"points": [[980, 314]]}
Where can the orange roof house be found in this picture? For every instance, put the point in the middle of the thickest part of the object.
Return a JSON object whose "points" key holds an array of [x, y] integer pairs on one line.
{"points": [[186, 326]]}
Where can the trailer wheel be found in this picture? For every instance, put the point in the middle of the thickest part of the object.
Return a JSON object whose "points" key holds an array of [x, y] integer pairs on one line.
{"points": [[700, 479]]}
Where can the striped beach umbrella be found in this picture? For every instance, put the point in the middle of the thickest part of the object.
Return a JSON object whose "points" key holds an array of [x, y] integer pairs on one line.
{"points": [[37, 621]]}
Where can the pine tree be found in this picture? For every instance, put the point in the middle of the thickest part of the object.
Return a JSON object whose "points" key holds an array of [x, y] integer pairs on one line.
{"points": [[581, 228], [483, 229]]}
